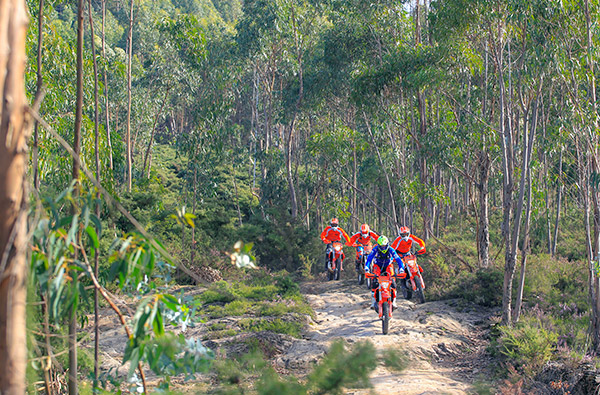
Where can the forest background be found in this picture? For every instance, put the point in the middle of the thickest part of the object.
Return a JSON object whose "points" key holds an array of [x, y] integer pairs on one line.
{"points": [[475, 123]]}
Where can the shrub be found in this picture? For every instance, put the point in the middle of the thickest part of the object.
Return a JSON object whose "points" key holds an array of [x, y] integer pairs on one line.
{"points": [[292, 328], [527, 345], [482, 287], [218, 292]]}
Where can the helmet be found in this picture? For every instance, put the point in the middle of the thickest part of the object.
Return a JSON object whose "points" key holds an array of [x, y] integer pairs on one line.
{"points": [[364, 230], [404, 232], [334, 222], [384, 243]]}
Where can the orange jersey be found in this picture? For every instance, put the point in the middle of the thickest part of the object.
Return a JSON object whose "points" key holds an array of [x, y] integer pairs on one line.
{"points": [[403, 246], [334, 234], [357, 238]]}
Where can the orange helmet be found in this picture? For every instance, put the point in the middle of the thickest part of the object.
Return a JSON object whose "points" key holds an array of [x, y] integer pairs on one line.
{"points": [[404, 231], [334, 222], [364, 230]]}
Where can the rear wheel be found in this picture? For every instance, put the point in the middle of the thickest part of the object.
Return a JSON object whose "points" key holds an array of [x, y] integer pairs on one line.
{"points": [[329, 273], [419, 292], [385, 319], [361, 278]]}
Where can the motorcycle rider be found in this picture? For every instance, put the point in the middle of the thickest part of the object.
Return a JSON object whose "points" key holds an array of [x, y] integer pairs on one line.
{"points": [[382, 256], [404, 243], [333, 233], [362, 239]]}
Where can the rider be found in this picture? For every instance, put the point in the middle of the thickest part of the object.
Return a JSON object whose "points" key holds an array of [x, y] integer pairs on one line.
{"points": [[406, 241], [333, 233], [362, 239], [382, 255]]}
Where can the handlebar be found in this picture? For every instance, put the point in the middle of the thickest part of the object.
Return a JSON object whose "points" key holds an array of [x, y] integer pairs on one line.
{"points": [[371, 275]]}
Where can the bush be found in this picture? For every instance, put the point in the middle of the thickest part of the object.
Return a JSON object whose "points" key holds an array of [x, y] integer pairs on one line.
{"points": [[527, 345], [483, 287]]}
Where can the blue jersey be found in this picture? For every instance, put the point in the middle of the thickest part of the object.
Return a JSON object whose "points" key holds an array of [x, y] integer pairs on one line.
{"points": [[383, 259]]}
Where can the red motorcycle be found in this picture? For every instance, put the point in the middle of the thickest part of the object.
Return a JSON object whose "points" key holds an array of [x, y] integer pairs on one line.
{"points": [[334, 265], [384, 305], [414, 279]]}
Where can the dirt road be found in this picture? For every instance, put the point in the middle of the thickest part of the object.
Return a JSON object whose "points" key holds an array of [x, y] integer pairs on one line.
{"points": [[443, 339]]}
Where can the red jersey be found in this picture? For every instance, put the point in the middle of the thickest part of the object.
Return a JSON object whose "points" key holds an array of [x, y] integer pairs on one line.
{"points": [[330, 234], [403, 246], [357, 238]]}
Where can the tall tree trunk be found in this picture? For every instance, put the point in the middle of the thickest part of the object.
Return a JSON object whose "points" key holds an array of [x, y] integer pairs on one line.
{"points": [[195, 188], [288, 166], [14, 132], [128, 130], [97, 152], [511, 254], [73, 385], [524, 250], [106, 103], [559, 192], [483, 234], [149, 149], [38, 91]]}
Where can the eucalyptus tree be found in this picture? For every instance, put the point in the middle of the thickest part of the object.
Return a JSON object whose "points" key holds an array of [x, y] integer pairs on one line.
{"points": [[577, 60], [128, 130], [14, 132]]}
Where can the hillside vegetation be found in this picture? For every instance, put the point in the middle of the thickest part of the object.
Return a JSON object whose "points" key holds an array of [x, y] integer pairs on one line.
{"points": [[185, 155]]}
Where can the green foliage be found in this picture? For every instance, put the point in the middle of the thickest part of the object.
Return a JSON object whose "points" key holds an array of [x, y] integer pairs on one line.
{"points": [[395, 360], [340, 368], [528, 345], [62, 243], [291, 327]]}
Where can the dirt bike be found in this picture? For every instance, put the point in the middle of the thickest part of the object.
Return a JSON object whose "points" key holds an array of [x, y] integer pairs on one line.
{"points": [[384, 306], [414, 279], [334, 264], [363, 253]]}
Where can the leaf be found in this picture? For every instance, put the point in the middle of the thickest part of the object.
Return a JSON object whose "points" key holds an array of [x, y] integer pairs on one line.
{"points": [[72, 236], [97, 223], [93, 237], [158, 324]]}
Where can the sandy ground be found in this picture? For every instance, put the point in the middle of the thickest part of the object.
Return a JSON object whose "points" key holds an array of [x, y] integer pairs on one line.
{"points": [[443, 339]]}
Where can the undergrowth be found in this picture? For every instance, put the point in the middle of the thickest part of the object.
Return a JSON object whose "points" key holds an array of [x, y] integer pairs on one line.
{"points": [[264, 301]]}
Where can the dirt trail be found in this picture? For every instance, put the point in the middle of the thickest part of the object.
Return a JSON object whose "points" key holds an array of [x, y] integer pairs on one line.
{"points": [[444, 339]]}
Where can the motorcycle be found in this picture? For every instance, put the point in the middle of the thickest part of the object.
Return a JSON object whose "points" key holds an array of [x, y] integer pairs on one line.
{"points": [[334, 264], [384, 305], [363, 253], [413, 281]]}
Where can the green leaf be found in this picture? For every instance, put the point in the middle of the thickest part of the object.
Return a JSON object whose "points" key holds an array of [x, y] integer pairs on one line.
{"points": [[72, 236], [97, 223], [158, 324], [93, 237]]}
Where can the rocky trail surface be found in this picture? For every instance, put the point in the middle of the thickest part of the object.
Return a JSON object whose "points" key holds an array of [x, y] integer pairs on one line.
{"points": [[444, 339]]}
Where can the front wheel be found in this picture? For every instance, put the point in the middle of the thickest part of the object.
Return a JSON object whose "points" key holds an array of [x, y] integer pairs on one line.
{"points": [[385, 323], [419, 292], [406, 290], [338, 265]]}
